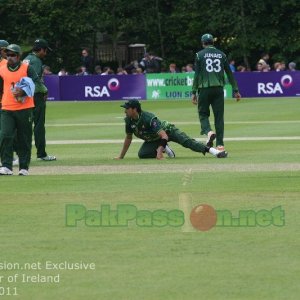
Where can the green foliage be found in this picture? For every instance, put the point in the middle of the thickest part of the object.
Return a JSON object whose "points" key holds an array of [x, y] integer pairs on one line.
{"points": [[169, 28]]}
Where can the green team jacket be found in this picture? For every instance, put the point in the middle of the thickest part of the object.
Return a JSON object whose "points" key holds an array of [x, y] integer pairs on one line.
{"points": [[210, 64], [37, 64], [146, 127]]}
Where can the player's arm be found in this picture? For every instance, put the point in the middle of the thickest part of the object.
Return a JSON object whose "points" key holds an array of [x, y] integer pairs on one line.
{"points": [[195, 82], [40, 87], [163, 142], [194, 99], [155, 125], [1, 89], [31, 72], [232, 80], [126, 145]]}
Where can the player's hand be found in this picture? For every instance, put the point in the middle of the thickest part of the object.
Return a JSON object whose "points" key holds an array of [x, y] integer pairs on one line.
{"points": [[194, 99], [237, 96], [18, 92], [160, 154]]}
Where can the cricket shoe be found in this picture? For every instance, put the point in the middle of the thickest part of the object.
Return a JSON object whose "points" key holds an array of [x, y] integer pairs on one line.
{"points": [[47, 158], [23, 172], [169, 152], [222, 154], [5, 171], [210, 139]]}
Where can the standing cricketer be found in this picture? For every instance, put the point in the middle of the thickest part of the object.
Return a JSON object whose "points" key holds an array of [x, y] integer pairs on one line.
{"points": [[16, 114], [156, 135], [210, 64], [3, 61], [34, 59], [3, 45]]}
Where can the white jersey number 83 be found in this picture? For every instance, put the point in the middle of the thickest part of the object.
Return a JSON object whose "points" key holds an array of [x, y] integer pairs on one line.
{"points": [[213, 65]]}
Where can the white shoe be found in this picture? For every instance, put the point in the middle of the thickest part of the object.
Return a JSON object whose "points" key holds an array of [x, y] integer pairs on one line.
{"points": [[47, 158], [169, 152], [23, 172], [5, 171], [16, 162], [217, 153], [210, 139]]}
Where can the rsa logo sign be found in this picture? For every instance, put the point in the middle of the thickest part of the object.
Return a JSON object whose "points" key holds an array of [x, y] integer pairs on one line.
{"points": [[99, 91], [271, 88]]}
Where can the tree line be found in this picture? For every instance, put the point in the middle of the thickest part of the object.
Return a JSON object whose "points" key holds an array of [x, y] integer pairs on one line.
{"points": [[171, 29]]}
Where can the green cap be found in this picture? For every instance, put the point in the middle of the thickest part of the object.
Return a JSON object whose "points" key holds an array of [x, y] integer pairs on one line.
{"points": [[14, 48], [132, 104], [3, 43], [41, 43], [206, 38]]}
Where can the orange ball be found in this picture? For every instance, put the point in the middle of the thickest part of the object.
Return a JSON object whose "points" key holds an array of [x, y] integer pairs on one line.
{"points": [[203, 217]]}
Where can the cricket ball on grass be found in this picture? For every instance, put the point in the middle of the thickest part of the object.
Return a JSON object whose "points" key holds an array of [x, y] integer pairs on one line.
{"points": [[203, 217]]}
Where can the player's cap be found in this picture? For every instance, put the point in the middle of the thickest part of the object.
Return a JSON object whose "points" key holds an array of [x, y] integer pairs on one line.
{"points": [[206, 38], [132, 104], [41, 43], [3, 44], [13, 48]]}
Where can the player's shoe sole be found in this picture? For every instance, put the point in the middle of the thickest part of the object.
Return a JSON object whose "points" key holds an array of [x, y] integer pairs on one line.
{"points": [[211, 138], [222, 154], [169, 152]]}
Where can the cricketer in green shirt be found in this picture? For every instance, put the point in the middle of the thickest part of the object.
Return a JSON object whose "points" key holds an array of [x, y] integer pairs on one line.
{"points": [[34, 59], [156, 134], [146, 127], [210, 64], [209, 80], [16, 119], [36, 63]]}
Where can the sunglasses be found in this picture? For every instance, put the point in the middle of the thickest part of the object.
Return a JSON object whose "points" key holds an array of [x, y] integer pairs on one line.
{"points": [[11, 55]]}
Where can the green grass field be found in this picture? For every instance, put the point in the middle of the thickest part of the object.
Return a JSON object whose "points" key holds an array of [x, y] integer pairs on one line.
{"points": [[151, 262]]}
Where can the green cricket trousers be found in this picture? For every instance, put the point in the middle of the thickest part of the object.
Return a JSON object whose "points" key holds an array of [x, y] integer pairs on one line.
{"points": [[214, 97], [19, 123], [148, 149], [39, 117], [15, 145]]}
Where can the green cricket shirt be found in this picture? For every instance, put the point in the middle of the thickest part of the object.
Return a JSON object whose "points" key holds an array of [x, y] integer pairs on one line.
{"points": [[146, 127], [210, 64], [37, 65]]}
